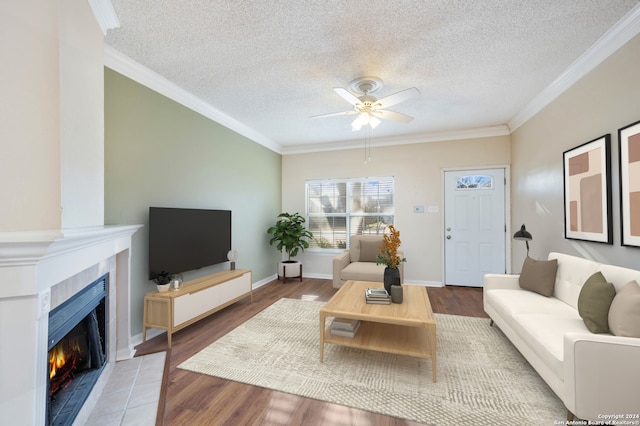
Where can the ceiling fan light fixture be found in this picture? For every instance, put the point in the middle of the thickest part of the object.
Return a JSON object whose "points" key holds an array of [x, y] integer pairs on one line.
{"points": [[362, 120], [371, 110]]}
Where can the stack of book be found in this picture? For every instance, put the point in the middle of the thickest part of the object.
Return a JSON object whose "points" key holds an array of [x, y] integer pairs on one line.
{"points": [[344, 327], [378, 296]]}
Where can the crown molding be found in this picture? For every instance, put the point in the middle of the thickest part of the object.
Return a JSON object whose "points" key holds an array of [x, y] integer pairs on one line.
{"points": [[128, 67], [449, 135], [105, 14], [616, 37]]}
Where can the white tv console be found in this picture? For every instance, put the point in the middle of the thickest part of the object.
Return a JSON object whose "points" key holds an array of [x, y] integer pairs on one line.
{"points": [[196, 299]]}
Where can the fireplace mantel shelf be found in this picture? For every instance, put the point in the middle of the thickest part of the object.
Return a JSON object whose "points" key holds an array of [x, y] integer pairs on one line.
{"points": [[23, 254], [28, 247]]}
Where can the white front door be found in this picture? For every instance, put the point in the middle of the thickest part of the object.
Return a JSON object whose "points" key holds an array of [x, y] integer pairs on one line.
{"points": [[475, 227]]}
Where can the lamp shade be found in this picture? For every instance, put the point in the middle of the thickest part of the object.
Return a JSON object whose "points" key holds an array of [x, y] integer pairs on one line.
{"points": [[523, 234]]}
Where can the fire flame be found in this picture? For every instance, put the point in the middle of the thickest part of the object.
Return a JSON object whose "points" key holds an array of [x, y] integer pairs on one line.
{"points": [[56, 360]]}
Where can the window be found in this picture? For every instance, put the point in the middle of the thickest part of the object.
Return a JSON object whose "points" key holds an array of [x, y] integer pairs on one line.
{"points": [[339, 208], [474, 182]]}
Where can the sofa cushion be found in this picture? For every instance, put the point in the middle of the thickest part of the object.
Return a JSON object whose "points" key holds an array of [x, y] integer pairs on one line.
{"points": [[624, 313], [511, 302], [544, 334], [369, 250], [572, 273], [363, 271], [539, 276], [594, 302]]}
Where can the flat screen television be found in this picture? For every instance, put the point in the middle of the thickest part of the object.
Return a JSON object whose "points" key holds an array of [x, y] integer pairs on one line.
{"points": [[182, 240]]}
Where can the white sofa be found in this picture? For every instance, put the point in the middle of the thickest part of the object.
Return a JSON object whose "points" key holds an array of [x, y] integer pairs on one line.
{"points": [[359, 261], [593, 374]]}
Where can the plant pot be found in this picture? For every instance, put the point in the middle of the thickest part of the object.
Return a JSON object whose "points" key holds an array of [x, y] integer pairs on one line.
{"points": [[391, 277], [163, 287], [289, 269]]}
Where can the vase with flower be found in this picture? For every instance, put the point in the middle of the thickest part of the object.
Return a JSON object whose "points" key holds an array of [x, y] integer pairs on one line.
{"points": [[390, 257]]}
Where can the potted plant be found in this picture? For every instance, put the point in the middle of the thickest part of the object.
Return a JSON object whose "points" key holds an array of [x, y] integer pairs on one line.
{"points": [[163, 281], [389, 257], [290, 234]]}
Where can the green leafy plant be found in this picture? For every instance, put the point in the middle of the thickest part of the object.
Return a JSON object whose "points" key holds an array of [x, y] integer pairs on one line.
{"points": [[290, 234], [163, 277]]}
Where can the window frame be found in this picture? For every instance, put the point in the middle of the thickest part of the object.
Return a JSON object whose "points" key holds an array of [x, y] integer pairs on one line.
{"points": [[347, 214]]}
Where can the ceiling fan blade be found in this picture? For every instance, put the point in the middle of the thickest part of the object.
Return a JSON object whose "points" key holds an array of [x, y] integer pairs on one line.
{"points": [[391, 115], [335, 114], [347, 96], [396, 98]]}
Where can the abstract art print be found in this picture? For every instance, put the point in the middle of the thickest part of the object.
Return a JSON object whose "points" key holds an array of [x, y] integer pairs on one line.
{"points": [[587, 191], [629, 144]]}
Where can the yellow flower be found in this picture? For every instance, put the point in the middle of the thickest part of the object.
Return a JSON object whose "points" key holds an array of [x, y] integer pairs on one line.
{"points": [[389, 250]]}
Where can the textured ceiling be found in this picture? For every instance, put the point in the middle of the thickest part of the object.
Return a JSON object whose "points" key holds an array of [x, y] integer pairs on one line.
{"points": [[271, 65]]}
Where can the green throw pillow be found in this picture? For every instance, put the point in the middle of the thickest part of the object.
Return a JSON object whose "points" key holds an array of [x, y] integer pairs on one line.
{"points": [[369, 250], [539, 276], [594, 302], [624, 314]]}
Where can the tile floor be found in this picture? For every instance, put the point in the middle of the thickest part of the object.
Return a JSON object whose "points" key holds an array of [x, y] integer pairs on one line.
{"points": [[131, 394]]}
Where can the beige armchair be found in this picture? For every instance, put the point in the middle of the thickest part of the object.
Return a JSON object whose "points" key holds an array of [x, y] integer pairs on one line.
{"points": [[359, 261]]}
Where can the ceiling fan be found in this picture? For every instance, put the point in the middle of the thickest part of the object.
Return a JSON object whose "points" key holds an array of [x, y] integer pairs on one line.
{"points": [[370, 109]]}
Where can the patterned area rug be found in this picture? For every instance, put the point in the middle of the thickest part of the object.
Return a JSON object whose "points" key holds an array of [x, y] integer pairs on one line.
{"points": [[482, 378]]}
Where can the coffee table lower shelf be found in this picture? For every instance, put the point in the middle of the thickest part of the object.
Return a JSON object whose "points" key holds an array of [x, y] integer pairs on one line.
{"points": [[389, 338]]}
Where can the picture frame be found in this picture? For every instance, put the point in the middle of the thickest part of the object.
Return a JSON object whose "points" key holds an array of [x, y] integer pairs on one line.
{"points": [[629, 161], [587, 191]]}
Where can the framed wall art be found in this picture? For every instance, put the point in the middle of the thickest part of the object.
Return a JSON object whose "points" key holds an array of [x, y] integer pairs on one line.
{"points": [[629, 144], [587, 191]]}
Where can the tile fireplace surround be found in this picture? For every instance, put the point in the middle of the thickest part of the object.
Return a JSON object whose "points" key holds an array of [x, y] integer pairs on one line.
{"points": [[39, 270]]}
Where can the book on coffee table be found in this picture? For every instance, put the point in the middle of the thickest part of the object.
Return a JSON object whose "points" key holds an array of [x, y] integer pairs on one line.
{"points": [[377, 296], [345, 332], [379, 301], [344, 324], [376, 293]]}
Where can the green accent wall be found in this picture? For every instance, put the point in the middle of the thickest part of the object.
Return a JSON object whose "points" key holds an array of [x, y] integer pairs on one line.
{"points": [[160, 153]]}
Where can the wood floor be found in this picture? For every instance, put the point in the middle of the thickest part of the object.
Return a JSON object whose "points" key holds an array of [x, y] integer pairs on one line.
{"points": [[196, 399]]}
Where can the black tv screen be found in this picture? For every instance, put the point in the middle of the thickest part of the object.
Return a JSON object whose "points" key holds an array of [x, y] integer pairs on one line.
{"points": [[182, 240]]}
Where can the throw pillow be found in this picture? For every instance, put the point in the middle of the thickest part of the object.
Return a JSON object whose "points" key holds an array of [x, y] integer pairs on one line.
{"points": [[624, 314], [594, 301], [369, 250], [539, 276]]}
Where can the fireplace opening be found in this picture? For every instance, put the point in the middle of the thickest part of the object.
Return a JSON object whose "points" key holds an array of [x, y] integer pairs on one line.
{"points": [[77, 351]]}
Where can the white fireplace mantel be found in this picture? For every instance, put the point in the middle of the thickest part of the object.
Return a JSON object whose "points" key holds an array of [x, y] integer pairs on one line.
{"points": [[31, 264]]}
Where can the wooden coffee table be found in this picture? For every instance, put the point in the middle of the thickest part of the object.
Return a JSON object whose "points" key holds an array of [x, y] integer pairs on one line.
{"points": [[407, 328]]}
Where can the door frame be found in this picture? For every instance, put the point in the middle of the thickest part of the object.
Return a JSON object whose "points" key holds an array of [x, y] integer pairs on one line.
{"points": [[507, 212]]}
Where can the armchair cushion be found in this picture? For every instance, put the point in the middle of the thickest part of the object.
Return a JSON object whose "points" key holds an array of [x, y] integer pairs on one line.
{"points": [[363, 271], [369, 251]]}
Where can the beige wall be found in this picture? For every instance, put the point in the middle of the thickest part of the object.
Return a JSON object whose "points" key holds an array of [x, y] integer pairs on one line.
{"points": [[417, 169], [51, 115], [29, 116], [605, 100]]}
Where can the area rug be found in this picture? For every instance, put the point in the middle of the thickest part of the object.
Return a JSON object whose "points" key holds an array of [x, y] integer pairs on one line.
{"points": [[482, 378]]}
